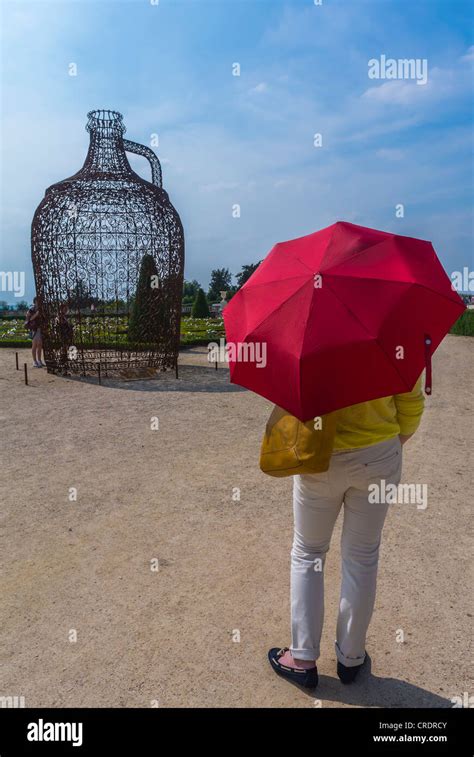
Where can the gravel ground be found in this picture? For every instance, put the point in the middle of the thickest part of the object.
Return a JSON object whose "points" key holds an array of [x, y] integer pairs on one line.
{"points": [[88, 620]]}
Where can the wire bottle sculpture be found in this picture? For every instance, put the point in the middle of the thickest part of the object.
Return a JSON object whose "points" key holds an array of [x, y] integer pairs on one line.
{"points": [[108, 258]]}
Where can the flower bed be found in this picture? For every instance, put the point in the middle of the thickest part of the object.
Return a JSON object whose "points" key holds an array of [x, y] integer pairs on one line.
{"points": [[194, 331]]}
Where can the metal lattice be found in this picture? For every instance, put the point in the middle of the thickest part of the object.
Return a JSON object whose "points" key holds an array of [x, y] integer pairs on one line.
{"points": [[108, 259]]}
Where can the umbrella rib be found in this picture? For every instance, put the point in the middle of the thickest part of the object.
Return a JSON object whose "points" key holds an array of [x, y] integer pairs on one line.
{"points": [[364, 276], [398, 281], [274, 281], [272, 313], [361, 252], [376, 278], [440, 294], [375, 339], [296, 257]]}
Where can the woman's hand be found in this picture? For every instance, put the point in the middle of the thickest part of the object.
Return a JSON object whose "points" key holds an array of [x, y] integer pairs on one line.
{"points": [[404, 438]]}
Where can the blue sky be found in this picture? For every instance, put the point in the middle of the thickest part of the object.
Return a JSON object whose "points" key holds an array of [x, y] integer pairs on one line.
{"points": [[248, 139]]}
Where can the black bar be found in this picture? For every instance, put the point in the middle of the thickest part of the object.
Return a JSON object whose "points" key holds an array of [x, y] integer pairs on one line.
{"points": [[16, 361], [331, 730], [26, 373]]}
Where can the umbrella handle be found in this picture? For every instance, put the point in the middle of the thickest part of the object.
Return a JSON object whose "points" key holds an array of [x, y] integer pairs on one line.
{"points": [[428, 375]]}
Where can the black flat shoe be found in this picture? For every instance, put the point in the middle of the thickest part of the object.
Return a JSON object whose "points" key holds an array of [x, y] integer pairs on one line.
{"points": [[307, 678], [348, 675]]}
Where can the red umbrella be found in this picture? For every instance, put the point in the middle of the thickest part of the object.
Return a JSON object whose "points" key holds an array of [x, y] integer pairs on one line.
{"points": [[341, 316]]}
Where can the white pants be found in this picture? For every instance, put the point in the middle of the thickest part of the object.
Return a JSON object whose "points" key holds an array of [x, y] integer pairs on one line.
{"points": [[317, 500]]}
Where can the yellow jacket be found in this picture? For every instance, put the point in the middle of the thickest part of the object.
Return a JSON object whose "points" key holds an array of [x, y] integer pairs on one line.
{"points": [[377, 420]]}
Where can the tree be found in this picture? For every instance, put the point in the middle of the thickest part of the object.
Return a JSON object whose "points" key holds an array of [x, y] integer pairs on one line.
{"points": [[221, 280], [200, 307], [245, 273], [80, 297], [146, 304], [22, 305], [190, 290]]}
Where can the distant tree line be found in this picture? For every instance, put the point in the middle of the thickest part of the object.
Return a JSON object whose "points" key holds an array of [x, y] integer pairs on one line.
{"points": [[81, 298], [221, 281]]}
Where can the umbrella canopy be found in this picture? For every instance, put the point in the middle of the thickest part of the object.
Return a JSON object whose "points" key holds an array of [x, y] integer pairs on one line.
{"points": [[341, 316]]}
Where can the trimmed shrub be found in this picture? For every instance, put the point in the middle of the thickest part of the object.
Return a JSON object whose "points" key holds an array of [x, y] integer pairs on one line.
{"points": [[200, 307], [146, 304]]}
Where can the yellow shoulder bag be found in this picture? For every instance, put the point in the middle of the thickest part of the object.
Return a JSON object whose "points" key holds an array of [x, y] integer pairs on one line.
{"points": [[291, 447]]}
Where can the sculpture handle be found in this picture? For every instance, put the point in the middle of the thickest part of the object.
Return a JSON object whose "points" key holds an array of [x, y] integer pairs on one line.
{"points": [[147, 153]]}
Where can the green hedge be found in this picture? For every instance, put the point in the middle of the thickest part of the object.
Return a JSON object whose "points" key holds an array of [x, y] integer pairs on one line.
{"points": [[15, 343], [197, 331], [464, 326]]}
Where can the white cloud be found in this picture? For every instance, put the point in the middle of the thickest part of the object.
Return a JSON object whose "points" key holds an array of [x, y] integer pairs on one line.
{"points": [[262, 87], [469, 56], [397, 92], [442, 83]]}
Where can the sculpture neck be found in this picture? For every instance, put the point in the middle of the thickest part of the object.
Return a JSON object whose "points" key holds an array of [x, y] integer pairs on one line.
{"points": [[106, 149]]}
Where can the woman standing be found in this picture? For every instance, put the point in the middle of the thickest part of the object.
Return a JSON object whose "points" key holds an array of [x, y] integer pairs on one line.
{"points": [[367, 450], [33, 323]]}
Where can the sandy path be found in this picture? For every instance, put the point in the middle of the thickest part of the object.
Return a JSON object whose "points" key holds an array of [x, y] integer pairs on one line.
{"points": [[166, 635]]}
